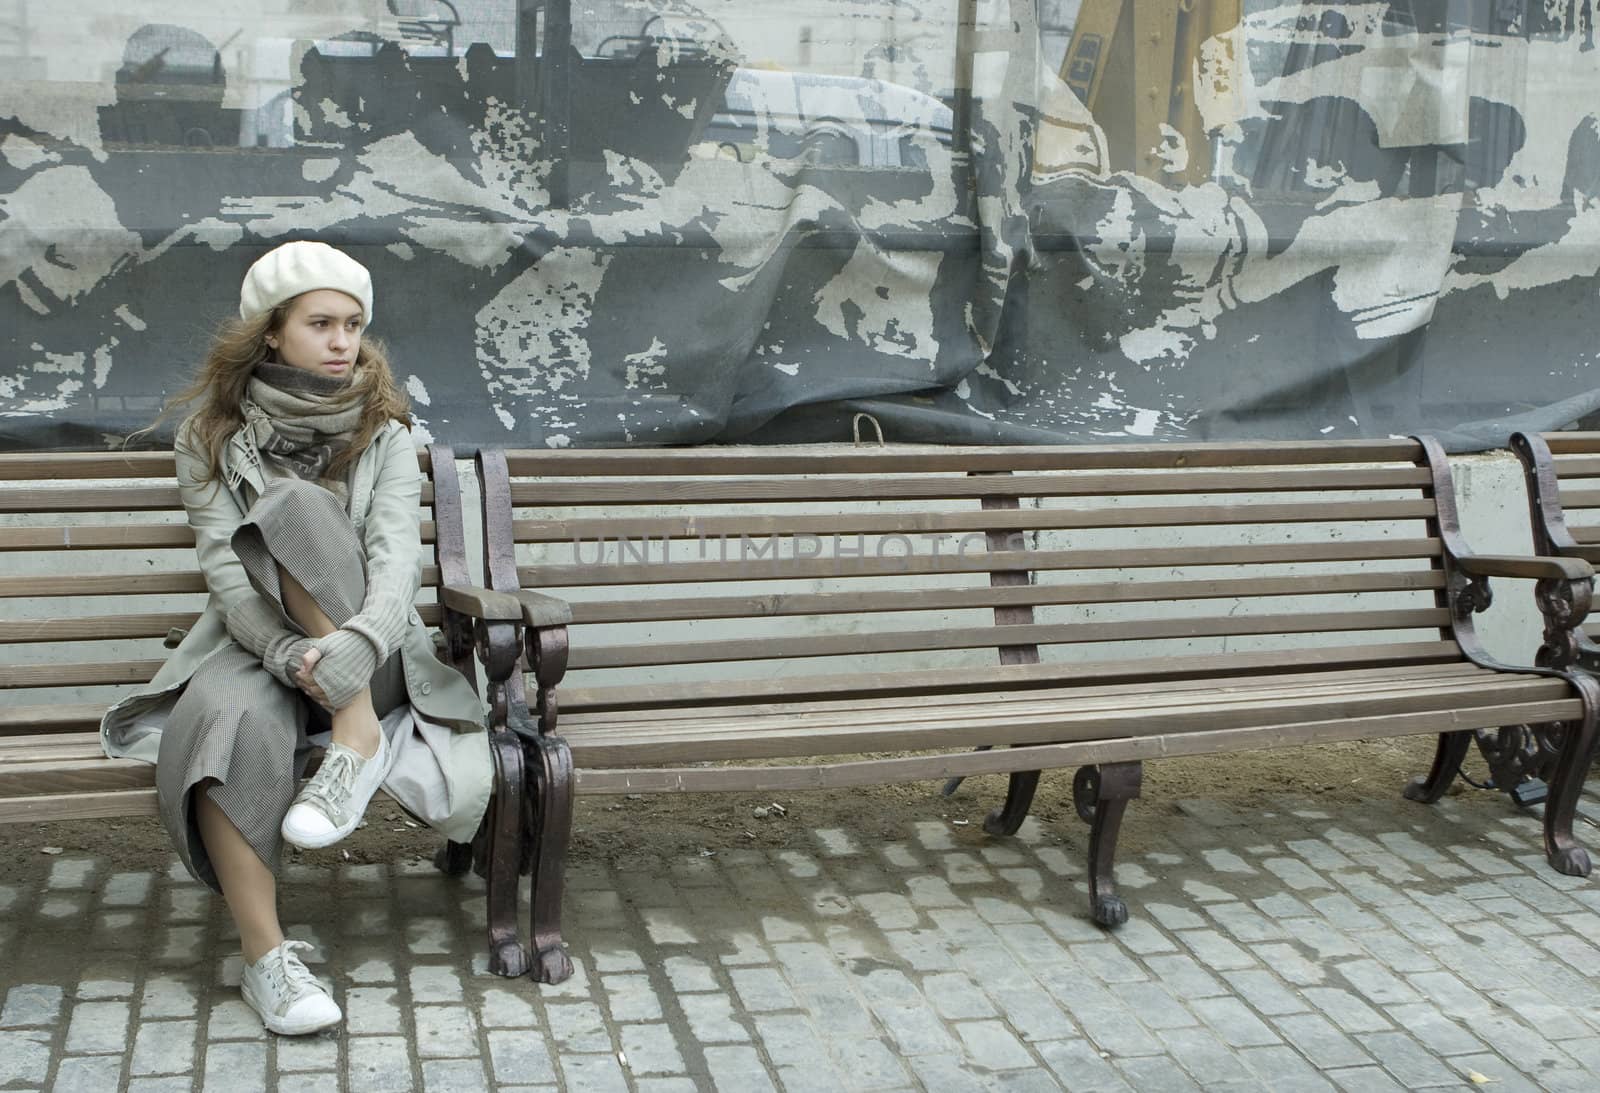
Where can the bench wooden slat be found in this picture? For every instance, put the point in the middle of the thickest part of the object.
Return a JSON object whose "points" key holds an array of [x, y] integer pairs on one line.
{"points": [[902, 641], [129, 584], [593, 530], [79, 806], [67, 742], [788, 459], [568, 576], [857, 773], [106, 498], [951, 680], [780, 604], [104, 584], [1580, 499], [1389, 675], [805, 730], [74, 776], [876, 488], [115, 537], [102, 627], [79, 675], [726, 734], [33, 466], [1575, 466]]}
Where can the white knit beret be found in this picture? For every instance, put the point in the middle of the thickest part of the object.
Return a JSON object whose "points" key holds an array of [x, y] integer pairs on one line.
{"points": [[285, 272]]}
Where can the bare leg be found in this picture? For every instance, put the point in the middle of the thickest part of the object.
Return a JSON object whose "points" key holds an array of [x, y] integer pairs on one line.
{"points": [[247, 884], [355, 726]]}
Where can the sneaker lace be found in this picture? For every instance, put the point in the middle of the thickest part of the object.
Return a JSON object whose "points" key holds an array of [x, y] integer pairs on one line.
{"points": [[290, 977], [330, 788]]}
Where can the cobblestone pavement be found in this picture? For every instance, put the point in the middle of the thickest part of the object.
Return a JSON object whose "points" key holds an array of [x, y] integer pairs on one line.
{"points": [[1369, 948]]}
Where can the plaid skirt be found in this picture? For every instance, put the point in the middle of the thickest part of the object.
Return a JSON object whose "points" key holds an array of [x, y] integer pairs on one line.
{"points": [[236, 726]]}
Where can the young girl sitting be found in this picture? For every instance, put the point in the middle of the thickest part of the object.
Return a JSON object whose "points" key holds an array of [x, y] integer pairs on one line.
{"points": [[301, 482]]}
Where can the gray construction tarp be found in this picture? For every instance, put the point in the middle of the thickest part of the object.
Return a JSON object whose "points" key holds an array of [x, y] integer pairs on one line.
{"points": [[652, 222]]}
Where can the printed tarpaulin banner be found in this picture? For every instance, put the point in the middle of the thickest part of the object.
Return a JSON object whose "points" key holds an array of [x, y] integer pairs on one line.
{"points": [[655, 222]]}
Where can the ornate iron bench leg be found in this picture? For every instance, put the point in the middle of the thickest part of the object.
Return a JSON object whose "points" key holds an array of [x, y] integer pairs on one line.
{"points": [[551, 827], [1006, 819], [1101, 794], [507, 956], [1577, 751], [1447, 759]]}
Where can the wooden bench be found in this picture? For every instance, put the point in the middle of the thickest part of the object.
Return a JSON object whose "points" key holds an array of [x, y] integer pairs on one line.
{"points": [[1005, 610], [101, 543]]}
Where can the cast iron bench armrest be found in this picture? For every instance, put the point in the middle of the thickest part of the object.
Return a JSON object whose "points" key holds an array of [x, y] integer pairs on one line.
{"points": [[533, 608], [1530, 567]]}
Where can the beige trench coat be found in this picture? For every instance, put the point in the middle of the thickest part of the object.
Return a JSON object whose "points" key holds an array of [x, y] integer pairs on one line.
{"points": [[443, 771]]}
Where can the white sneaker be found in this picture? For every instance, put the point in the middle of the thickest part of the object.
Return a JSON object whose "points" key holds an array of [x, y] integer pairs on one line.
{"points": [[330, 805], [287, 996]]}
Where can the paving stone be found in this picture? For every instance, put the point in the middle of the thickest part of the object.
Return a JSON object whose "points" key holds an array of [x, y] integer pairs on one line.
{"points": [[762, 989], [737, 1068], [84, 1074], [435, 983], [711, 1019], [306, 1053], [1156, 1074], [593, 1074], [1185, 977], [369, 1010], [1315, 1037], [1205, 1057], [239, 1068], [172, 1084], [1294, 968], [24, 1057], [164, 1047], [378, 1062], [520, 1056], [650, 1049], [1107, 963], [1215, 951], [1032, 1013], [916, 1030], [98, 1028], [30, 1005], [1434, 1030], [989, 1044], [1173, 917], [1502, 1076], [1155, 1005], [1233, 1022], [126, 890], [1346, 1010], [1079, 1066], [502, 1008], [865, 1064], [578, 1027], [1364, 1079], [1104, 1020], [445, 1031], [168, 996], [1412, 1065], [688, 974], [1262, 991], [1376, 983], [1244, 923], [1283, 1070]]}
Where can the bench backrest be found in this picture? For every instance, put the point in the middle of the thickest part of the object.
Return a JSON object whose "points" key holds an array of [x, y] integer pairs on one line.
{"points": [[1572, 463], [97, 568], [774, 566]]}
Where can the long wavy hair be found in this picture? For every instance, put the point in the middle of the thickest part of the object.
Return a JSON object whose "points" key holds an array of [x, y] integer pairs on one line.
{"points": [[223, 381]]}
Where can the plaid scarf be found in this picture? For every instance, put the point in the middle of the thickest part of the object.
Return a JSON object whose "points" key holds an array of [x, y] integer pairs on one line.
{"points": [[301, 422]]}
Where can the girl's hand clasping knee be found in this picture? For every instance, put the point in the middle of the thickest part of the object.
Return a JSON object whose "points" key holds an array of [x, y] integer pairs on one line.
{"points": [[308, 684]]}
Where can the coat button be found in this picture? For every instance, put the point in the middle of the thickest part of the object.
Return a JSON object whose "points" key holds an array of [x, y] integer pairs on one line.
{"points": [[425, 688], [416, 619]]}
